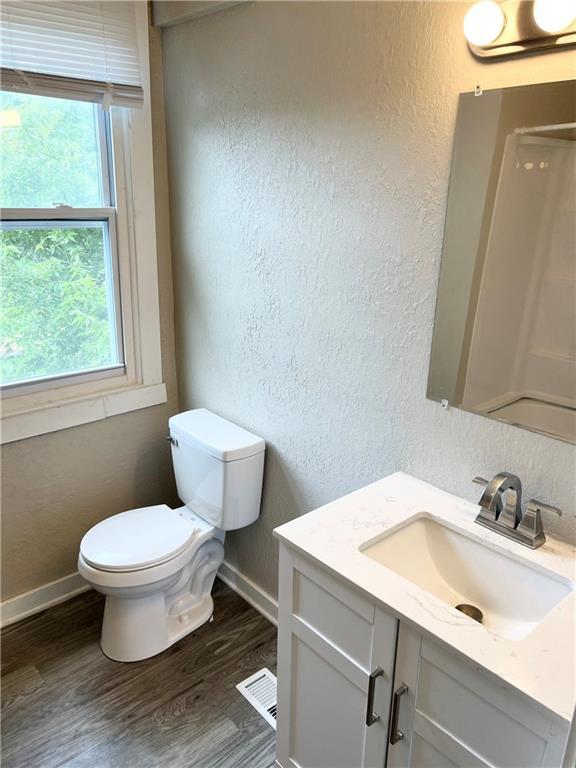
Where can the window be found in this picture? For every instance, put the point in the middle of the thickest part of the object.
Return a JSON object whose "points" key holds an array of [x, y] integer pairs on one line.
{"points": [[79, 328], [58, 251]]}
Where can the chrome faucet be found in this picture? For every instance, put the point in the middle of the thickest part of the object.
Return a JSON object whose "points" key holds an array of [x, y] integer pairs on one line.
{"points": [[501, 510]]}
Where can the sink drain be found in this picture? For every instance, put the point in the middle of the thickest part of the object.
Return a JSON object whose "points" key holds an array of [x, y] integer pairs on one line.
{"points": [[471, 611]]}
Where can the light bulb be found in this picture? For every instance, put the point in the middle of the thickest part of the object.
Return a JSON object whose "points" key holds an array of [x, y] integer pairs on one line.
{"points": [[554, 15], [484, 22]]}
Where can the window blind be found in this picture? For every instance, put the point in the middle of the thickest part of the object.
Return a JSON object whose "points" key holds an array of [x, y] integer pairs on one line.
{"points": [[77, 50]]}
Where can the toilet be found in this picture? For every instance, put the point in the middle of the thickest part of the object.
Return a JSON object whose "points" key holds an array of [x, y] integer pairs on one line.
{"points": [[157, 565]]}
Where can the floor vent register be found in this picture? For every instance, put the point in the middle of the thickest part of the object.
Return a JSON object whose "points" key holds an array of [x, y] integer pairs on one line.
{"points": [[260, 690]]}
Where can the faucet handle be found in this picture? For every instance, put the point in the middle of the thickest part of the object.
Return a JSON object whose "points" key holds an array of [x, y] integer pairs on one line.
{"points": [[530, 526], [480, 480], [540, 506]]}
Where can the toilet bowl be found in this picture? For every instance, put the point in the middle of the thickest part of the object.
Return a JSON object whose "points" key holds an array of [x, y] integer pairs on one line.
{"points": [[157, 565]]}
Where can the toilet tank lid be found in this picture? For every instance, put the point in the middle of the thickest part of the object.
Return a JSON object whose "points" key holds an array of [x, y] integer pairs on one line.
{"points": [[211, 433]]}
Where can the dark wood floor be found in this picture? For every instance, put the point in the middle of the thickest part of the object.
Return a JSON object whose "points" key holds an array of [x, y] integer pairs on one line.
{"points": [[65, 704]]}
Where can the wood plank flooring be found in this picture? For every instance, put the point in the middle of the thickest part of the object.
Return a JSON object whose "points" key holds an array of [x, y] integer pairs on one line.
{"points": [[65, 704]]}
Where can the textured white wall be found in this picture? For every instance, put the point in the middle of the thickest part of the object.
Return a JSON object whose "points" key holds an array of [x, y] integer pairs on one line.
{"points": [[309, 152]]}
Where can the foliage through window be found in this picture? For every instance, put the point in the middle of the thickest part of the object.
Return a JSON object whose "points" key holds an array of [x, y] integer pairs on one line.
{"points": [[59, 287]]}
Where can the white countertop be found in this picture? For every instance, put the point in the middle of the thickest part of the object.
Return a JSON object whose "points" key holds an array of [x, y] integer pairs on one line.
{"points": [[541, 665]]}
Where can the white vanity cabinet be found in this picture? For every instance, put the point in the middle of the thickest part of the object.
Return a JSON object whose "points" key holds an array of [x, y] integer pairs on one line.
{"points": [[447, 711], [330, 638], [454, 714]]}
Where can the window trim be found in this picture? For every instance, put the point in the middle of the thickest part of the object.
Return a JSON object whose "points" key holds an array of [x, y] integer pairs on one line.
{"points": [[27, 386], [73, 402]]}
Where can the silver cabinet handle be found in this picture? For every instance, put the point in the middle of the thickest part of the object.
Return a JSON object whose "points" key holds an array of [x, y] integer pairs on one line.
{"points": [[371, 716], [395, 734]]}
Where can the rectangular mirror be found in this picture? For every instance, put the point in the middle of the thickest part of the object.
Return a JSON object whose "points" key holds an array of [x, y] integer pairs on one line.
{"points": [[504, 342]]}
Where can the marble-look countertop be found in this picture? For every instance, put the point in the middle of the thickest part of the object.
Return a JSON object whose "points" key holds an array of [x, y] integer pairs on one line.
{"points": [[541, 665]]}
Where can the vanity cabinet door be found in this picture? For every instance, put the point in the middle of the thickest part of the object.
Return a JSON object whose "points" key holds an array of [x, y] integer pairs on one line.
{"points": [[454, 714], [330, 638]]}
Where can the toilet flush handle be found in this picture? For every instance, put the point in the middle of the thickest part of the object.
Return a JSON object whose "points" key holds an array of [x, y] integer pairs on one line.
{"points": [[172, 441]]}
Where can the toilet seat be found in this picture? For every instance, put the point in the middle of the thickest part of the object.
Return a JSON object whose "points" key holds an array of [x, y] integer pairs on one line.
{"points": [[138, 539]]}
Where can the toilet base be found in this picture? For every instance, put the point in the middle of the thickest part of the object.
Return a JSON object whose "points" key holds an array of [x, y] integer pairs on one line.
{"points": [[155, 636], [140, 623]]}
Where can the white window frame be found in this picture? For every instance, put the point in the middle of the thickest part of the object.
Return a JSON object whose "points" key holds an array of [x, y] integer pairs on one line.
{"points": [[46, 406]]}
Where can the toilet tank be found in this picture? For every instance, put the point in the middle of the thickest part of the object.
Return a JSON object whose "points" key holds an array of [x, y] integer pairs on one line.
{"points": [[218, 468]]}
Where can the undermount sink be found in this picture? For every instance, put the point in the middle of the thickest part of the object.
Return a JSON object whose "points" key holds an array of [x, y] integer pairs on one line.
{"points": [[513, 597]]}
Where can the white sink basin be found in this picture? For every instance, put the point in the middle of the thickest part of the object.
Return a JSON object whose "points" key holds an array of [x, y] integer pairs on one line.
{"points": [[513, 597]]}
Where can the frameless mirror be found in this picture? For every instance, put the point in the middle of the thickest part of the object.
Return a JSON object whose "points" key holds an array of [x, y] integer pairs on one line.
{"points": [[504, 341]]}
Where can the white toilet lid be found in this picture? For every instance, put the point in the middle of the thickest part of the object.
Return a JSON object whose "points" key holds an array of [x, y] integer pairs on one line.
{"points": [[139, 538]]}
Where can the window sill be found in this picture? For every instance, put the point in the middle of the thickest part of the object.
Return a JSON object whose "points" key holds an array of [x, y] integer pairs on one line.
{"points": [[51, 417]]}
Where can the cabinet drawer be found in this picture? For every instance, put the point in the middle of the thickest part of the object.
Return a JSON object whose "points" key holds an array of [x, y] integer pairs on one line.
{"points": [[334, 611]]}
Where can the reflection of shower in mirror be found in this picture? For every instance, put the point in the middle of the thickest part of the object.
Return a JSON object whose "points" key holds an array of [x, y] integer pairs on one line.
{"points": [[523, 343], [504, 340]]}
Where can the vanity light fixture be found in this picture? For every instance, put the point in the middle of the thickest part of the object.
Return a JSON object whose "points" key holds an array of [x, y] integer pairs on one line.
{"points": [[507, 27], [554, 16]]}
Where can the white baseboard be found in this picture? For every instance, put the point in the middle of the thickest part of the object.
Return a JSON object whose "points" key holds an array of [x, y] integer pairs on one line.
{"points": [[59, 591], [39, 599], [249, 591]]}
